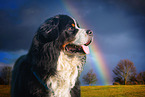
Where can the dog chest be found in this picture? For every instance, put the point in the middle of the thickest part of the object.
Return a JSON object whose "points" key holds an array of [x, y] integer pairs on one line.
{"points": [[67, 72]]}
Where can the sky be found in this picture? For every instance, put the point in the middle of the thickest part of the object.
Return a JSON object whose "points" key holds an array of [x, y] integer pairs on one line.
{"points": [[118, 26]]}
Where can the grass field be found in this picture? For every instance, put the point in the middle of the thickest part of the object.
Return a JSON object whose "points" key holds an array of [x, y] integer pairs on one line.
{"points": [[113, 91], [4, 91], [98, 91]]}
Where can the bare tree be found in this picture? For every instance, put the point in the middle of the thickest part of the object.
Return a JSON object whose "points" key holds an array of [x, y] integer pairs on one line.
{"points": [[6, 74], [141, 77], [1, 81], [90, 78], [124, 71]]}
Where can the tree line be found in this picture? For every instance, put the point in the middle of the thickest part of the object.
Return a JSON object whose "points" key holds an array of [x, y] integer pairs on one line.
{"points": [[124, 74], [5, 75]]}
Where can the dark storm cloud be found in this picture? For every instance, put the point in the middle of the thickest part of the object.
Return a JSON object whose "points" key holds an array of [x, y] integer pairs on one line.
{"points": [[113, 16], [19, 21], [18, 25], [13, 34]]}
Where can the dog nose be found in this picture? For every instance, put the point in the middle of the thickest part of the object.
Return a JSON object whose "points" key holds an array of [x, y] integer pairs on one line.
{"points": [[89, 32]]}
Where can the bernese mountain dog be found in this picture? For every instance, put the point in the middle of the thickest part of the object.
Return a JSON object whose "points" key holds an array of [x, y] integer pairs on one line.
{"points": [[54, 61]]}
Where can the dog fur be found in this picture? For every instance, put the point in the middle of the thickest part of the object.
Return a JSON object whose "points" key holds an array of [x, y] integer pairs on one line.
{"points": [[54, 61]]}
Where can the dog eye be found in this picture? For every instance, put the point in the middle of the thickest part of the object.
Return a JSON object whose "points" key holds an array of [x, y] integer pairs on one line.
{"points": [[70, 28]]}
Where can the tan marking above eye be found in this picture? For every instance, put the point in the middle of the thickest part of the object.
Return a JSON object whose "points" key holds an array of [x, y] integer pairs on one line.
{"points": [[73, 25]]}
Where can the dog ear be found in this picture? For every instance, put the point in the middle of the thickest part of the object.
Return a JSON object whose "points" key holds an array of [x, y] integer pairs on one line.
{"points": [[49, 31]]}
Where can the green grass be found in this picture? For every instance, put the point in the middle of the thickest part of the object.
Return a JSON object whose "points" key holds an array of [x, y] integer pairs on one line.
{"points": [[98, 91], [113, 91]]}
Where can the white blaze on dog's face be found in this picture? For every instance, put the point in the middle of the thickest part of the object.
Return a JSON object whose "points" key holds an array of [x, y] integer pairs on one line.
{"points": [[81, 40], [81, 36]]}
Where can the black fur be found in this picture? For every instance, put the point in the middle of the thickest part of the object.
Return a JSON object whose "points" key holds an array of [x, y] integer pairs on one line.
{"points": [[42, 59]]}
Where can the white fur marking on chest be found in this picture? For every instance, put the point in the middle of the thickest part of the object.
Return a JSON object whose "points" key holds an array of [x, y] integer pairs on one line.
{"points": [[67, 72]]}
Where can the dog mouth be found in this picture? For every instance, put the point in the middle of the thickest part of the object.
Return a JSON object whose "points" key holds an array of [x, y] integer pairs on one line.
{"points": [[83, 49]]}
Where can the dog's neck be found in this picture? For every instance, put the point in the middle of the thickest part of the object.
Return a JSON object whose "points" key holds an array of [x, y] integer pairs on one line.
{"points": [[68, 69]]}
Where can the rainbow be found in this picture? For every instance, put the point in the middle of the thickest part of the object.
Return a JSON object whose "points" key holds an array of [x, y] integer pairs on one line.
{"points": [[97, 60], [73, 12], [98, 63]]}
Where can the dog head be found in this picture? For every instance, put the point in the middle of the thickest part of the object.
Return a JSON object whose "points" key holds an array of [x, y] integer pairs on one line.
{"points": [[66, 33]]}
